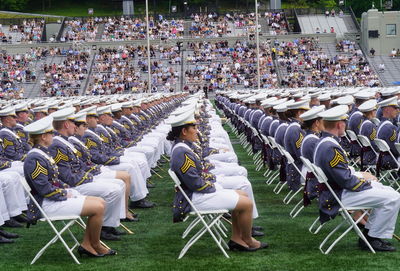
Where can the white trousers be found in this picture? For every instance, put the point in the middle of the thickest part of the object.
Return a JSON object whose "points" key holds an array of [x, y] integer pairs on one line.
{"points": [[228, 169], [112, 191], [4, 216], [385, 204], [228, 157], [14, 194], [138, 183], [140, 159], [239, 183]]}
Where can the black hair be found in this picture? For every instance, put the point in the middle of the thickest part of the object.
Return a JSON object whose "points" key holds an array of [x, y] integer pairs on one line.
{"points": [[176, 132], [307, 125]]}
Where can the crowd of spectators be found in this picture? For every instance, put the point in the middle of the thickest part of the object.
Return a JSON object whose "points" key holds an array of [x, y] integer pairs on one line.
{"points": [[81, 29], [16, 69], [305, 64], [65, 78], [227, 66], [346, 46], [277, 23], [125, 69], [28, 31]]}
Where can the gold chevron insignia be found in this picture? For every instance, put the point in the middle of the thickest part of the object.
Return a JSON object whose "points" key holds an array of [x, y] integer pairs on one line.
{"points": [[60, 156], [392, 138], [90, 143], [7, 143], [372, 136], [187, 164], [39, 170], [20, 134], [298, 142], [126, 126], [78, 153], [105, 139], [116, 130], [337, 159]]}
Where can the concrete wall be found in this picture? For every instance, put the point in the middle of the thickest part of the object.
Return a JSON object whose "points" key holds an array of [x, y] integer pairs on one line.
{"points": [[378, 20]]}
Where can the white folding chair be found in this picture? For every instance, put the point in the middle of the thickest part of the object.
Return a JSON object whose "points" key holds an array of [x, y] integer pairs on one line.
{"points": [[384, 148], [353, 141], [278, 188], [364, 141], [268, 171], [375, 121], [290, 161], [68, 221], [344, 213], [209, 219], [313, 228]]}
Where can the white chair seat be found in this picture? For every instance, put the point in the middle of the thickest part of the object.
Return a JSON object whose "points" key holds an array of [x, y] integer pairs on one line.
{"points": [[221, 211], [56, 218]]}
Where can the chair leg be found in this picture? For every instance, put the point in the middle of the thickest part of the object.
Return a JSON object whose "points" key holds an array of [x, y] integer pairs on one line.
{"points": [[312, 228], [297, 209]]}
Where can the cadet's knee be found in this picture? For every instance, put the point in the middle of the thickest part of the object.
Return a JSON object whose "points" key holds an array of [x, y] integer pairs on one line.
{"points": [[244, 204]]}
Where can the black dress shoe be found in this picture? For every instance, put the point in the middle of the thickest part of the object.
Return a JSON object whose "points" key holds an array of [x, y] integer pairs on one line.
{"points": [[150, 185], [20, 218], [134, 219], [83, 251], [12, 224], [116, 232], [111, 252], [263, 245], [141, 204], [4, 240], [255, 233], [258, 228], [237, 247], [104, 235], [377, 244], [8, 235]]}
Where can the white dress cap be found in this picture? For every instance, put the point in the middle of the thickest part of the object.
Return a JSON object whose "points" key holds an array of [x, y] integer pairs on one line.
{"points": [[80, 117], [42, 126], [336, 113], [8, 111], [389, 102], [304, 105], [90, 111], [312, 113], [104, 110], [368, 106], [64, 114], [21, 107], [345, 100], [116, 107], [183, 119], [42, 109], [283, 106]]}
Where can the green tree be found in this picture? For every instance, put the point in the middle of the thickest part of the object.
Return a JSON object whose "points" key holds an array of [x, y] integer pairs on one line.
{"points": [[17, 5]]}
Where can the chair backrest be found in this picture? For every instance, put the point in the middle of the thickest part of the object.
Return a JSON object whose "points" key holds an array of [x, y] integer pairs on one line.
{"points": [[351, 135], [397, 145], [364, 141], [375, 121], [382, 145], [272, 141], [307, 164], [321, 177], [177, 182]]}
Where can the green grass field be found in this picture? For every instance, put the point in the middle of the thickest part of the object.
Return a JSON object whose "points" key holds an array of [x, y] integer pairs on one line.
{"points": [[157, 242]]}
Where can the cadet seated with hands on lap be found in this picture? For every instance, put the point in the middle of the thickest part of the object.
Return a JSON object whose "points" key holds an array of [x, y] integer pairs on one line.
{"points": [[353, 189], [207, 194]]}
